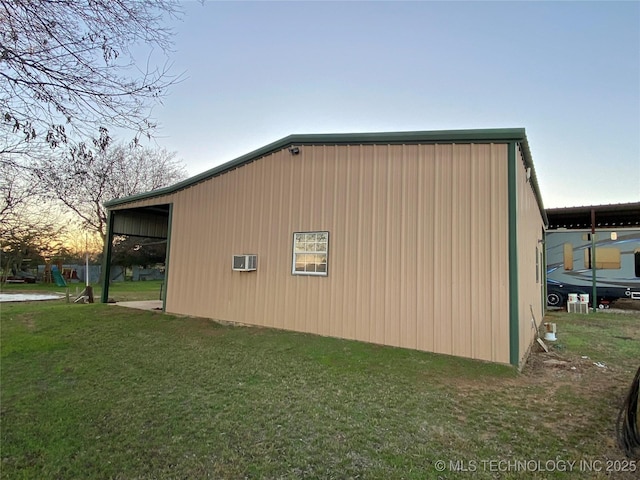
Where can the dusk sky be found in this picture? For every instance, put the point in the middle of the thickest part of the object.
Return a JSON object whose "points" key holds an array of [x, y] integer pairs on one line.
{"points": [[568, 72]]}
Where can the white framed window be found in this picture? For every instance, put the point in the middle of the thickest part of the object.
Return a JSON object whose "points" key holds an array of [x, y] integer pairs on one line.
{"points": [[310, 253]]}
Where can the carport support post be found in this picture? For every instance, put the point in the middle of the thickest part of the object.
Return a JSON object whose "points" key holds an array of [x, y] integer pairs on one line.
{"points": [[594, 293], [166, 260], [544, 273], [106, 258]]}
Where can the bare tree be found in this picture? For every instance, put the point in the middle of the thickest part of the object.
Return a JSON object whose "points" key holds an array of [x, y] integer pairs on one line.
{"points": [[17, 189], [29, 234], [67, 68], [84, 179]]}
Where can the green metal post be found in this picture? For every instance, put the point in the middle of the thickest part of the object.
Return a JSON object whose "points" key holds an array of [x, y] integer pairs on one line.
{"points": [[514, 305], [166, 260], [544, 272], [106, 258], [594, 293]]}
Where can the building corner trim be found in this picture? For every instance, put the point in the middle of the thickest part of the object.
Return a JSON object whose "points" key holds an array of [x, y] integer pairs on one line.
{"points": [[514, 315]]}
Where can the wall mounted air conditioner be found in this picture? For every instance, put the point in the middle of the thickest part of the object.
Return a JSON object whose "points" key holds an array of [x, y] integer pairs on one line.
{"points": [[244, 263]]}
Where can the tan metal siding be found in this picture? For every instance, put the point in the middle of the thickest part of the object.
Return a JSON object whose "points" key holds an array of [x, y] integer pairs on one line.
{"points": [[530, 227], [417, 253]]}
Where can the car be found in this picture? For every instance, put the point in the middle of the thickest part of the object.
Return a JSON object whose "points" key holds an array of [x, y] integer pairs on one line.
{"points": [[21, 277]]}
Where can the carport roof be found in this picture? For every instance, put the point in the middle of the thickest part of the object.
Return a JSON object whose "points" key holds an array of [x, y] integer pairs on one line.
{"points": [[496, 135], [612, 215]]}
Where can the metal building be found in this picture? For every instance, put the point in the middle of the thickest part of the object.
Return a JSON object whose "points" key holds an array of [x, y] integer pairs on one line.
{"points": [[423, 240]]}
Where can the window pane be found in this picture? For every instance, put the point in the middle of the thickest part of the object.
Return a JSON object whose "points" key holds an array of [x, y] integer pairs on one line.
{"points": [[310, 253], [300, 262]]}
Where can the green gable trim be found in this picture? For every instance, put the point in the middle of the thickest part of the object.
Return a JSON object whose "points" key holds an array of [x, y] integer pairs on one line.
{"points": [[514, 314], [497, 135]]}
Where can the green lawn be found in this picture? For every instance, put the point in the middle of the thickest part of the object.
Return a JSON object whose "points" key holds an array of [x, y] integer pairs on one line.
{"points": [[100, 391]]}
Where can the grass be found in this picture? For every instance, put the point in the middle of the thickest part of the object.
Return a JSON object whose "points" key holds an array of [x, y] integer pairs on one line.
{"points": [[611, 337], [100, 391]]}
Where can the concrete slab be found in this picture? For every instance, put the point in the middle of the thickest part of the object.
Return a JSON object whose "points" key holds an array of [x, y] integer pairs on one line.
{"points": [[27, 297], [141, 304]]}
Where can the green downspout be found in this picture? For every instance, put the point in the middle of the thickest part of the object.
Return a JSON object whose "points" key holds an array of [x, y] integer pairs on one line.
{"points": [[166, 260], [106, 258], [514, 314]]}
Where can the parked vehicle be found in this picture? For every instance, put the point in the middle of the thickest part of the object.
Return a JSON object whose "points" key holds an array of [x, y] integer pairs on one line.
{"points": [[569, 265], [21, 277]]}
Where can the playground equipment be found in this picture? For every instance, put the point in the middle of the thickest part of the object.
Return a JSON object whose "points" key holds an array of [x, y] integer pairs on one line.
{"points": [[57, 276]]}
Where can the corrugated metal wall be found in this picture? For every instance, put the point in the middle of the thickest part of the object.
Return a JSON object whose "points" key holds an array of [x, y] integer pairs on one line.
{"points": [[417, 250], [140, 224], [530, 281]]}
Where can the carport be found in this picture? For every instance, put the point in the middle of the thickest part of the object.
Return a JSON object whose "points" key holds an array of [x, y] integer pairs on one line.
{"points": [[621, 215], [149, 222]]}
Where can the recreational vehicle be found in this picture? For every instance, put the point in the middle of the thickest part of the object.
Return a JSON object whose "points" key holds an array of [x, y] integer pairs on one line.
{"points": [[569, 264]]}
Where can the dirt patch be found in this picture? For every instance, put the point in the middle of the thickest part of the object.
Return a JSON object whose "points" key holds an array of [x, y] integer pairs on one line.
{"points": [[626, 304], [206, 327], [599, 385], [572, 395], [28, 321], [590, 376]]}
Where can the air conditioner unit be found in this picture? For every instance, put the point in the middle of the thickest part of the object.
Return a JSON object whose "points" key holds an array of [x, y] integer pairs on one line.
{"points": [[245, 263]]}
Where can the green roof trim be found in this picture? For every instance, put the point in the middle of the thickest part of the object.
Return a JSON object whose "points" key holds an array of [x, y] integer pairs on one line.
{"points": [[495, 135]]}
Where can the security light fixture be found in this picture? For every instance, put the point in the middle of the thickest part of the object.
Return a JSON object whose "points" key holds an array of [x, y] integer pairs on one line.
{"points": [[294, 150]]}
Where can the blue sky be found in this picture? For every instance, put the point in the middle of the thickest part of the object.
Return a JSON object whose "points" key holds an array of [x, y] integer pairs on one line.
{"points": [[568, 72]]}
